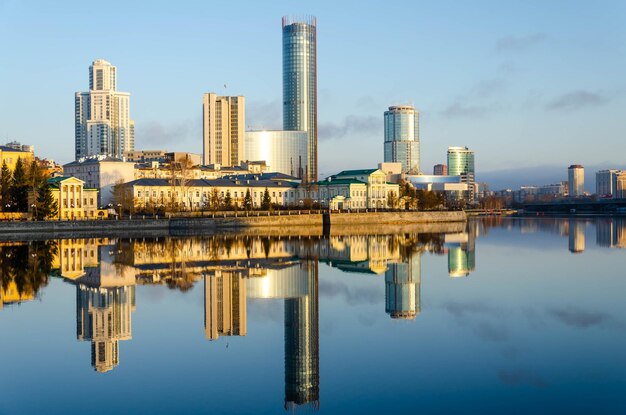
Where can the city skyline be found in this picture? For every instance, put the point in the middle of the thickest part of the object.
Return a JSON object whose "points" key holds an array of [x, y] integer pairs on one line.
{"points": [[511, 98]]}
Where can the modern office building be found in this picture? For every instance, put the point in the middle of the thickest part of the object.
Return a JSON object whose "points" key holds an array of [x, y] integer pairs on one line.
{"points": [[620, 185], [576, 180], [460, 161], [606, 182], [300, 83], [102, 115], [223, 129], [283, 151], [440, 170], [402, 141]]}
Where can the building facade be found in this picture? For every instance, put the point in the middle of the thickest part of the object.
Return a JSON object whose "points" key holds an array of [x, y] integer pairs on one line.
{"points": [[101, 173], [223, 129], [282, 151], [102, 115], [73, 199], [440, 170], [606, 182], [402, 142], [460, 161], [300, 83], [347, 184], [198, 194], [9, 156], [576, 180]]}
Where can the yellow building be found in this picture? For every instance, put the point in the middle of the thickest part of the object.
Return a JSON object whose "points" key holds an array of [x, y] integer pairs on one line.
{"points": [[10, 156], [74, 201], [10, 295]]}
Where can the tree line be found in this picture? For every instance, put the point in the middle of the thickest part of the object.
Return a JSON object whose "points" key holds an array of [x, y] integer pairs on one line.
{"points": [[16, 185]]}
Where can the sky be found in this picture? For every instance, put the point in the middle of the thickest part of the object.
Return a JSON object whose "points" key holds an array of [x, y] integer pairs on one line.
{"points": [[531, 87]]}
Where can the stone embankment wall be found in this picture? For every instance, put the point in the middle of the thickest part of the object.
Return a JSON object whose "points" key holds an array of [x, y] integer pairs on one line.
{"points": [[304, 224]]}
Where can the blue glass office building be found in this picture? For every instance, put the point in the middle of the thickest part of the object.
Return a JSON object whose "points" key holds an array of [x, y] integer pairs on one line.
{"points": [[402, 140], [300, 83]]}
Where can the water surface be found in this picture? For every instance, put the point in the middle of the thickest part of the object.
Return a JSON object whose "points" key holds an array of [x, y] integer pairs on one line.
{"points": [[501, 316]]}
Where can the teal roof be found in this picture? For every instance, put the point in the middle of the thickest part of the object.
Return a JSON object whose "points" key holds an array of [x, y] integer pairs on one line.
{"points": [[356, 172], [54, 181], [338, 181]]}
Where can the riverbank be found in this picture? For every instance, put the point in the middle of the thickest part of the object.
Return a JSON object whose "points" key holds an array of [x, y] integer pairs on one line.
{"points": [[308, 223]]}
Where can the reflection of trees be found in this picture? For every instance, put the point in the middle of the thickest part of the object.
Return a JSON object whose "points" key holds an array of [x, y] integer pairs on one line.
{"points": [[27, 265]]}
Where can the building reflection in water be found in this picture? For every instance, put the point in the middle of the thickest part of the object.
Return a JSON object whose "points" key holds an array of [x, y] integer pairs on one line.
{"points": [[103, 316], [611, 233], [402, 288], [576, 236], [224, 304], [462, 251], [302, 359], [105, 296]]}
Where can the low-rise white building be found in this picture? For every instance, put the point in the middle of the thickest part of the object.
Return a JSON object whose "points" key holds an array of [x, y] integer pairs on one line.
{"points": [[199, 194], [101, 173]]}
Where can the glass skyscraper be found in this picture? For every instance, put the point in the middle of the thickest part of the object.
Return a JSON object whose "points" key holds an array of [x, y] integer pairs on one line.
{"points": [[402, 139], [460, 161], [300, 83]]}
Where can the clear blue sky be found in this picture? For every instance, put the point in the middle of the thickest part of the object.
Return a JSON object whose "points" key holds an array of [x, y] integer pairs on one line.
{"points": [[524, 84]]}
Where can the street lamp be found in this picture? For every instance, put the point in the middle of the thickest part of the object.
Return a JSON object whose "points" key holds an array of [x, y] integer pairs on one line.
{"points": [[119, 208], [34, 207]]}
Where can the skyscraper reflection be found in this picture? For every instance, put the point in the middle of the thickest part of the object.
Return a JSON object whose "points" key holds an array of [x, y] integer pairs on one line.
{"points": [[105, 297], [611, 233], [302, 345], [224, 304], [103, 316], [402, 288], [462, 251], [576, 236]]}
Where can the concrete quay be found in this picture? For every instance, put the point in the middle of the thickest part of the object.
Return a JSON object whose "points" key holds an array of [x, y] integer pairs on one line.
{"points": [[277, 223]]}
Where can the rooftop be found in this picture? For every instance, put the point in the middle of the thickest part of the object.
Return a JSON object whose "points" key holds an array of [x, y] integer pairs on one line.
{"points": [[93, 160], [355, 172], [11, 149]]}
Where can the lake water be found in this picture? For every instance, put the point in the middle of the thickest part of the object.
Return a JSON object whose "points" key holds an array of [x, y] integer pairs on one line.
{"points": [[503, 316]]}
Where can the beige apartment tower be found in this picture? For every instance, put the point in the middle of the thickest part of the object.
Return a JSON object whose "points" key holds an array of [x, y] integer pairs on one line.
{"points": [[102, 115], [223, 129]]}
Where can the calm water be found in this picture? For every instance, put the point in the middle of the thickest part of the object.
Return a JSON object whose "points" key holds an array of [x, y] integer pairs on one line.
{"points": [[504, 316]]}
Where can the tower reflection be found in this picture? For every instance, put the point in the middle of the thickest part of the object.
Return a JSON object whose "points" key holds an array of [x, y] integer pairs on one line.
{"points": [[105, 296], [302, 365], [462, 251], [103, 316], [224, 304], [576, 236], [402, 288]]}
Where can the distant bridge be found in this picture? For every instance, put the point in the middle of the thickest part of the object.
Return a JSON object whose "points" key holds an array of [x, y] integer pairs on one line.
{"points": [[579, 206]]}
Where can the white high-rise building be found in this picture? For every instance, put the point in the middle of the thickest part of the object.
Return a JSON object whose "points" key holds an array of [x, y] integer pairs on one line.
{"points": [[102, 115], [576, 180]]}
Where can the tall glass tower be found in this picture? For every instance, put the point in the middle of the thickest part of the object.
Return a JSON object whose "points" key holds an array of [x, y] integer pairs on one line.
{"points": [[402, 137], [300, 83], [460, 161]]}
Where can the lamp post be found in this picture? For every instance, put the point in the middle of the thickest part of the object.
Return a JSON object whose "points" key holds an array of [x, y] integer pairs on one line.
{"points": [[119, 208], [34, 207]]}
